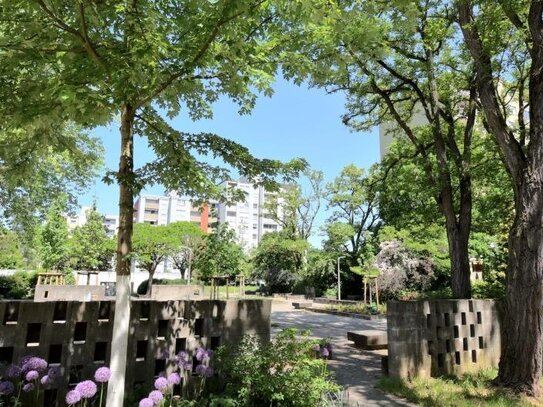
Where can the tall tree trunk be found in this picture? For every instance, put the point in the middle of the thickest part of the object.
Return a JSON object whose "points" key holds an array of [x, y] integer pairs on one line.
{"points": [[521, 362], [150, 283], [459, 253], [121, 322]]}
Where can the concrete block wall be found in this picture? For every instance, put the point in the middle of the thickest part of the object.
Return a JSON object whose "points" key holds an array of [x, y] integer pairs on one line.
{"points": [[77, 335], [442, 337], [44, 293], [177, 292]]}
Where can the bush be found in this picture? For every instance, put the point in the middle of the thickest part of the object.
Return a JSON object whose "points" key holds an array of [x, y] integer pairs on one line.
{"points": [[19, 285], [284, 372], [402, 270], [142, 288], [488, 289]]}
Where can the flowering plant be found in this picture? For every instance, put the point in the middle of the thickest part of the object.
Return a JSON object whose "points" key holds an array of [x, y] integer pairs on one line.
{"points": [[163, 394], [21, 384]]}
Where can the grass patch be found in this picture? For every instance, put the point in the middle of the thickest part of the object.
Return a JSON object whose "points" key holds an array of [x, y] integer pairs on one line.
{"points": [[467, 391]]}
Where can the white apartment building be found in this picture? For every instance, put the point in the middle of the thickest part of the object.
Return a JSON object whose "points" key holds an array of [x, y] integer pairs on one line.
{"points": [[163, 210], [110, 222], [249, 218]]}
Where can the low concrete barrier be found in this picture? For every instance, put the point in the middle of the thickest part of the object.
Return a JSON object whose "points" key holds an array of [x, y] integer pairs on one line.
{"points": [[44, 293], [368, 340]]}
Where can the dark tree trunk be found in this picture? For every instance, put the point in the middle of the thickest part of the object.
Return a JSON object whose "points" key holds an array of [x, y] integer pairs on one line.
{"points": [[121, 321], [521, 360], [459, 253], [150, 283], [126, 191]]}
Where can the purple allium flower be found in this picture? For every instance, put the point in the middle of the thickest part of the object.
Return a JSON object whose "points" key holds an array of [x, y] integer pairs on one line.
{"points": [[200, 369], [34, 363], [161, 383], [174, 378], [208, 372], [24, 359], [73, 397], [165, 354], [6, 388], [328, 346], [200, 354], [324, 352], [146, 402], [156, 396], [13, 372], [45, 380], [182, 356], [28, 387], [53, 373], [102, 374], [86, 388], [32, 375]]}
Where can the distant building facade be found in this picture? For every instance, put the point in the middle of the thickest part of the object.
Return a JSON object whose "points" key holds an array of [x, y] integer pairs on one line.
{"points": [[249, 219], [110, 222], [163, 210]]}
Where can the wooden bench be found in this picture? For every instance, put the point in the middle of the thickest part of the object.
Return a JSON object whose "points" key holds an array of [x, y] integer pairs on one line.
{"points": [[369, 340]]}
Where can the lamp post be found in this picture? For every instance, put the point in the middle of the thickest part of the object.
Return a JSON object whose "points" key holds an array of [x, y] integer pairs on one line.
{"points": [[338, 279], [190, 261]]}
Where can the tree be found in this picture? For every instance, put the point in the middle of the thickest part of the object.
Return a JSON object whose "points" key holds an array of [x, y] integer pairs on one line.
{"points": [[220, 255], [190, 238], [141, 61], [36, 166], [505, 41], [151, 246], [89, 246], [395, 62], [354, 213], [295, 210], [10, 250], [278, 259], [54, 237]]}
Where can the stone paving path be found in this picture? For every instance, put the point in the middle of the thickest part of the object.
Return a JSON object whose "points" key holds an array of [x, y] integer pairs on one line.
{"points": [[357, 370]]}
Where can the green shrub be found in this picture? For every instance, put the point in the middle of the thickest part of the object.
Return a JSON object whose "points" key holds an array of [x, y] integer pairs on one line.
{"points": [[19, 285], [488, 289], [284, 372]]}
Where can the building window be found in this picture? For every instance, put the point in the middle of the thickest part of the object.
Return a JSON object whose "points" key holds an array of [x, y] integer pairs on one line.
{"points": [[270, 227], [231, 213], [255, 206], [195, 213], [255, 226]]}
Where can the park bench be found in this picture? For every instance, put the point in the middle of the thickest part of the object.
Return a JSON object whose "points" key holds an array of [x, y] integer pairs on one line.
{"points": [[368, 340]]}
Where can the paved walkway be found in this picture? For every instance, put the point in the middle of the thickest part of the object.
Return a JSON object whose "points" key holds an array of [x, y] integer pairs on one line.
{"points": [[357, 370]]}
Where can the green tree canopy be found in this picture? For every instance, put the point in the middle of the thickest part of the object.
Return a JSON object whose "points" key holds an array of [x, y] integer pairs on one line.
{"points": [[89, 246], [354, 216], [279, 260], [11, 256], [152, 245], [220, 255], [54, 237], [190, 238]]}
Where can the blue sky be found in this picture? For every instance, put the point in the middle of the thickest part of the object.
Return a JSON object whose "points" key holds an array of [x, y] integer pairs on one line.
{"points": [[295, 122]]}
